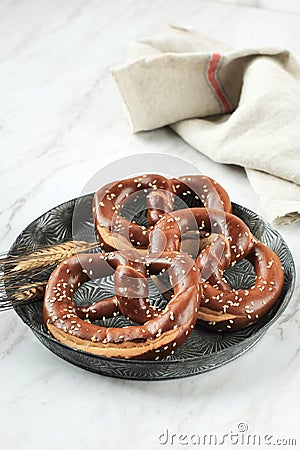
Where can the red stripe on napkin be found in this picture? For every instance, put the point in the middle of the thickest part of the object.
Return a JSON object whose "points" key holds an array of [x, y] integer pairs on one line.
{"points": [[211, 75]]}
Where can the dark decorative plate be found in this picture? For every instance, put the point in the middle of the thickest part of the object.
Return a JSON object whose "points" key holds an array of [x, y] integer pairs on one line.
{"points": [[203, 351]]}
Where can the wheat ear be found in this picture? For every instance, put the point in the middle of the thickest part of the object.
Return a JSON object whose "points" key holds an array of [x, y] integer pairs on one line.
{"points": [[15, 290], [50, 255]]}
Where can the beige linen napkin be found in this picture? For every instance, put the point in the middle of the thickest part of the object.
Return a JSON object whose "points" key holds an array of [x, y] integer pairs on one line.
{"points": [[237, 107]]}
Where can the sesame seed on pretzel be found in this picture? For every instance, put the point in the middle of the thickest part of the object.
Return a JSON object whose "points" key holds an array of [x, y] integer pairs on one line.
{"points": [[118, 232], [158, 332], [223, 307]]}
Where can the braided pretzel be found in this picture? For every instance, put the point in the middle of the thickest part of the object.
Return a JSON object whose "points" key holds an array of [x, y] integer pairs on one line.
{"points": [[221, 306], [117, 232], [158, 333]]}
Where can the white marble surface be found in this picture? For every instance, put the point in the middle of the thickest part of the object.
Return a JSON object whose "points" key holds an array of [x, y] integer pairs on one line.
{"points": [[292, 6], [61, 119]]}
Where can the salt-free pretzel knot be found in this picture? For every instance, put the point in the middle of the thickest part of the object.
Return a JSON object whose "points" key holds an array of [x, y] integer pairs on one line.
{"points": [[158, 333], [223, 307], [117, 232]]}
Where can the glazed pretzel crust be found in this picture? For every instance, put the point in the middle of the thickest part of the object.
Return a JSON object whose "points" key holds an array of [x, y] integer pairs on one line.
{"points": [[158, 333]]}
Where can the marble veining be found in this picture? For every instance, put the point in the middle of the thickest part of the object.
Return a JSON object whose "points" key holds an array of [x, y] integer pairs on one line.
{"points": [[61, 119]]}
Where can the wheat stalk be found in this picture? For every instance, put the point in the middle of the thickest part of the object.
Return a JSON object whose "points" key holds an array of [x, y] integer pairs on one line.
{"points": [[47, 256], [27, 266]]}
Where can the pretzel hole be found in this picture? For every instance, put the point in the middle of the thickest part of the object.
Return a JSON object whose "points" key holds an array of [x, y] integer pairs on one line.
{"points": [[103, 288], [241, 275], [190, 200], [139, 203], [135, 209]]}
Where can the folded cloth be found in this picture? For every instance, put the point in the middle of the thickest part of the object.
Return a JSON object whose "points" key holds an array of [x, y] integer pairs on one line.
{"points": [[236, 107]]}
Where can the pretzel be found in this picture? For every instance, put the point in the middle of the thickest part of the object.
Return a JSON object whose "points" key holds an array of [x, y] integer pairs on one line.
{"points": [[169, 232], [222, 307], [205, 189], [117, 232], [225, 308], [158, 333]]}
